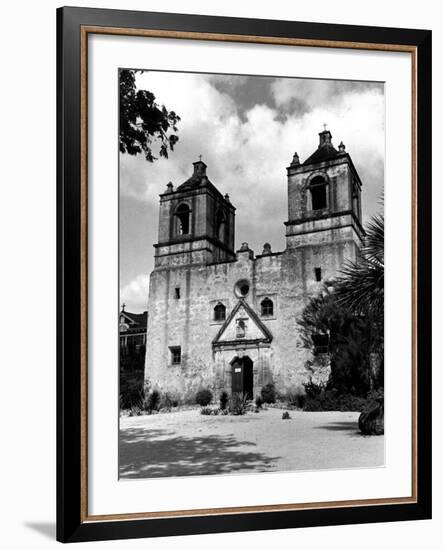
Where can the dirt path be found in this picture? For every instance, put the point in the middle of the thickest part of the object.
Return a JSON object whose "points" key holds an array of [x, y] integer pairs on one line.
{"points": [[188, 443]]}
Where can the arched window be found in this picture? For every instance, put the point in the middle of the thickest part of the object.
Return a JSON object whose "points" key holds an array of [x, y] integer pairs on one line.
{"points": [[183, 215], [319, 195], [267, 308], [219, 312], [220, 225]]}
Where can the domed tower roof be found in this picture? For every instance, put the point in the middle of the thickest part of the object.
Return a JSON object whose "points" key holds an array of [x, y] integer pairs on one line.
{"points": [[198, 177], [325, 150]]}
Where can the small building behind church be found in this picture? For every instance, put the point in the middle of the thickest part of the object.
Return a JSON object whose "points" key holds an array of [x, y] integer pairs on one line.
{"points": [[132, 330], [227, 319]]}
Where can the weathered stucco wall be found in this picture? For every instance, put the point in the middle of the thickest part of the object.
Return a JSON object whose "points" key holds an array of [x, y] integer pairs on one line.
{"points": [[287, 279]]}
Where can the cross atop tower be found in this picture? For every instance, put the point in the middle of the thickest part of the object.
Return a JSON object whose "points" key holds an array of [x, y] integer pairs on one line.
{"points": [[200, 158], [123, 306], [325, 127]]}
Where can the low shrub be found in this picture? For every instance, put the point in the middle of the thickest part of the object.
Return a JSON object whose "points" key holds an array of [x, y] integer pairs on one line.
{"points": [[168, 402], [238, 404], [224, 398], [259, 402], [376, 395], [203, 397], [330, 400], [285, 416], [132, 390], [313, 390], [206, 411], [268, 393], [135, 411], [296, 398], [152, 401]]}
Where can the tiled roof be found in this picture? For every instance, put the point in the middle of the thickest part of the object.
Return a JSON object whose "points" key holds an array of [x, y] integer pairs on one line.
{"points": [[193, 182], [198, 177], [140, 319], [326, 151]]}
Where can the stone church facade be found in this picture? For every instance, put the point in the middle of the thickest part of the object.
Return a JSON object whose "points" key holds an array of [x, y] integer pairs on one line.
{"points": [[227, 319]]}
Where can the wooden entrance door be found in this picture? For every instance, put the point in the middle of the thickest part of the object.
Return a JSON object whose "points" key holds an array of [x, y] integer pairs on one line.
{"points": [[242, 376]]}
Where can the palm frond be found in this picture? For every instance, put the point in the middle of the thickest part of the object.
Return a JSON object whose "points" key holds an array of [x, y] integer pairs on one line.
{"points": [[375, 240], [361, 286]]}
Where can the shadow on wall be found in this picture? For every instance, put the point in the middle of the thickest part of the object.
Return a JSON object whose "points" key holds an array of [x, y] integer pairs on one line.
{"points": [[155, 453]]}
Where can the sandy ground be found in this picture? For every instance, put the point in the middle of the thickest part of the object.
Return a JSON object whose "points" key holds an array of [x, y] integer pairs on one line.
{"points": [[188, 443]]}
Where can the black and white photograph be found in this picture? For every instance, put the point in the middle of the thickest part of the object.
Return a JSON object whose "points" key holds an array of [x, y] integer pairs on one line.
{"points": [[251, 274], [217, 275]]}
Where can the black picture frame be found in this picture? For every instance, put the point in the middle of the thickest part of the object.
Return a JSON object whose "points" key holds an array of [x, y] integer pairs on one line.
{"points": [[72, 526]]}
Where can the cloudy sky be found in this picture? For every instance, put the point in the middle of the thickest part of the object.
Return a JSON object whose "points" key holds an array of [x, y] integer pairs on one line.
{"points": [[247, 129]]}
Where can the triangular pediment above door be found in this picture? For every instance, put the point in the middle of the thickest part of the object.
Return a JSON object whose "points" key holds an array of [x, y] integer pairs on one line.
{"points": [[243, 325]]}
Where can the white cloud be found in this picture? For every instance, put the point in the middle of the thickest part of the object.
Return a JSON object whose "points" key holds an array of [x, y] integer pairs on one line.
{"points": [[247, 152], [135, 294], [209, 120], [306, 94]]}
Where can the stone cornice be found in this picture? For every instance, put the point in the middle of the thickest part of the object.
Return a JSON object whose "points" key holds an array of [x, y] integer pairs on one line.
{"points": [[191, 239], [201, 190], [325, 216]]}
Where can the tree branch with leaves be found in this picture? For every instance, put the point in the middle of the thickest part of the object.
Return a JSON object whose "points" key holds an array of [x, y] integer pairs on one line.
{"points": [[143, 121]]}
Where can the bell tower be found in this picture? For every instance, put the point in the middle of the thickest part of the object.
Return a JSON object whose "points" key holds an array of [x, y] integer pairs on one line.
{"points": [[324, 208], [196, 223]]}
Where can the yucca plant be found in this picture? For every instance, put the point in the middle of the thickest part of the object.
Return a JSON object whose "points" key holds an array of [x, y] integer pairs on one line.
{"points": [[238, 404]]}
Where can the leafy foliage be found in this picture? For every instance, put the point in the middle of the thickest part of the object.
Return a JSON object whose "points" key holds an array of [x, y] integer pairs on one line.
{"points": [[313, 390], [152, 401], [135, 411], [167, 401], [331, 400], [132, 389], [296, 398], [318, 317], [350, 314], [268, 393], [203, 397], [142, 120], [350, 341], [238, 404], [361, 285], [224, 398]]}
